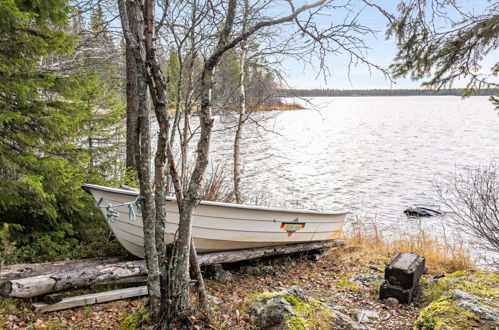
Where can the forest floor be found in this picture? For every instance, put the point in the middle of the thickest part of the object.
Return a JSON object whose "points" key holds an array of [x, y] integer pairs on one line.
{"points": [[347, 278]]}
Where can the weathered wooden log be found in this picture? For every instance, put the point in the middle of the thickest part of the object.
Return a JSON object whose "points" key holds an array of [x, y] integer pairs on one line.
{"points": [[82, 277], [86, 276], [14, 272], [240, 255]]}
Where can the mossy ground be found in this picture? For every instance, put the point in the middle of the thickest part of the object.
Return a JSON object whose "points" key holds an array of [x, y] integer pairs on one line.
{"points": [[442, 312], [321, 280], [134, 320]]}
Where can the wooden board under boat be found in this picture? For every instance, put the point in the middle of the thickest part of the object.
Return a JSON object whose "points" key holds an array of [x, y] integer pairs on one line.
{"points": [[222, 226]]}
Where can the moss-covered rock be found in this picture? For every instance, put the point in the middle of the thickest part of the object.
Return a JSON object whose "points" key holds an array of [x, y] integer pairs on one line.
{"points": [[292, 309], [444, 314], [461, 301]]}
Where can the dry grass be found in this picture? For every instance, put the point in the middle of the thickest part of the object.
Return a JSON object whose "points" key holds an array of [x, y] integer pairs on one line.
{"points": [[217, 185], [280, 106], [442, 255]]}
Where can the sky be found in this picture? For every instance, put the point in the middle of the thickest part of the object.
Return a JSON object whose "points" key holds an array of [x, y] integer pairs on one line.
{"points": [[381, 52]]}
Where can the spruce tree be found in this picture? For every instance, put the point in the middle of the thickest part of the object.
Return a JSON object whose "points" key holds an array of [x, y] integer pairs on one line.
{"points": [[43, 110]]}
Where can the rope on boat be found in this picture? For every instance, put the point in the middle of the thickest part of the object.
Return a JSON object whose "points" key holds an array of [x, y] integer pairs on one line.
{"points": [[112, 214]]}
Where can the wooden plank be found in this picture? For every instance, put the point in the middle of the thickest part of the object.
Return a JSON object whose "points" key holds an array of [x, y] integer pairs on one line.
{"points": [[90, 299]]}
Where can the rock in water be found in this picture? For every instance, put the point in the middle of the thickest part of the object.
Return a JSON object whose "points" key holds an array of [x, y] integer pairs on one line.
{"points": [[418, 211], [293, 309]]}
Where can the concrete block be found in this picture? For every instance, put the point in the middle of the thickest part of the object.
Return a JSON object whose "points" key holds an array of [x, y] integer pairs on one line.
{"points": [[404, 270], [388, 290]]}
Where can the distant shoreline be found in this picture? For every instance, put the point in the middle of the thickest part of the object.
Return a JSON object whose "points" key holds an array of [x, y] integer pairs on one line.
{"points": [[380, 92]]}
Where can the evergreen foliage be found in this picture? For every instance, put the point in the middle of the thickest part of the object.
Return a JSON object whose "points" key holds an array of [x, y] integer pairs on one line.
{"points": [[44, 113], [440, 56]]}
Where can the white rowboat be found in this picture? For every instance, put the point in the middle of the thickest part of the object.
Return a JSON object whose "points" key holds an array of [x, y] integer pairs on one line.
{"points": [[218, 226]]}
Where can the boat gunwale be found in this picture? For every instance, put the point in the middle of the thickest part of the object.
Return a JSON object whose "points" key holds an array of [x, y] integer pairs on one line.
{"points": [[87, 188]]}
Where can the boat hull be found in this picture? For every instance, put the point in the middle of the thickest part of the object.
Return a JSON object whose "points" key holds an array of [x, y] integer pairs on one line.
{"points": [[221, 226]]}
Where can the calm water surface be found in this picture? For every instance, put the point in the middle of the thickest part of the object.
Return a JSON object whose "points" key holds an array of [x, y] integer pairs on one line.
{"points": [[373, 156]]}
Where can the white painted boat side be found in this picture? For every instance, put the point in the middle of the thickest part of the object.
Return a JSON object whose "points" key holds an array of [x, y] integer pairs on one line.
{"points": [[222, 226]]}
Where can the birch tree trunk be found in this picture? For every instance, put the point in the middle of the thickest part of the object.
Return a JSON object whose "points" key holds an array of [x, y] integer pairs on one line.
{"points": [[157, 89], [131, 12], [132, 108], [179, 295], [240, 124]]}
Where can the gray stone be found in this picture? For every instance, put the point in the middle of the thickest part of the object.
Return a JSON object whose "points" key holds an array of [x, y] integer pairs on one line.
{"points": [[222, 276], [404, 270], [391, 302], [366, 316], [214, 300], [296, 291], [475, 305], [346, 322], [339, 308], [52, 298], [365, 279], [273, 312], [255, 271]]}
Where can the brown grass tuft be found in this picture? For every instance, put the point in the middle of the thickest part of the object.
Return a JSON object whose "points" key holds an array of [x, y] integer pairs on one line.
{"points": [[442, 255], [272, 107]]}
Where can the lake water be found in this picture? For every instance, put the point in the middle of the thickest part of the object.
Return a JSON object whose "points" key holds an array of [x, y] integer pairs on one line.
{"points": [[372, 156]]}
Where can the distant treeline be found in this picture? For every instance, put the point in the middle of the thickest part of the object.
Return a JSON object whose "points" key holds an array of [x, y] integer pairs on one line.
{"points": [[379, 92]]}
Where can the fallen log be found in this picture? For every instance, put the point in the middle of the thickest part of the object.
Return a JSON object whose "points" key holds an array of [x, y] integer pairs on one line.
{"points": [[13, 272], [249, 254], [42, 284], [86, 276]]}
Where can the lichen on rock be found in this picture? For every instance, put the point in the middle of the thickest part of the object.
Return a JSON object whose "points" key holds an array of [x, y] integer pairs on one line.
{"points": [[293, 309], [469, 300]]}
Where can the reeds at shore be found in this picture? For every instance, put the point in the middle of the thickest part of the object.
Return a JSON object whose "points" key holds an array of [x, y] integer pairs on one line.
{"points": [[443, 255]]}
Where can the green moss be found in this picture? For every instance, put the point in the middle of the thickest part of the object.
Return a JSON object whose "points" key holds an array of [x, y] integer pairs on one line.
{"points": [[297, 323], [458, 273], [308, 313], [268, 295], [482, 284], [133, 321], [349, 286], [433, 290], [379, 268], [393, 280], [443, 314], [374, 288]]}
